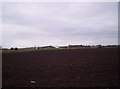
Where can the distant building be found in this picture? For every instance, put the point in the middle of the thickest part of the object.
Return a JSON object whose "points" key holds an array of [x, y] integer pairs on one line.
{"points": [[99, 46]]}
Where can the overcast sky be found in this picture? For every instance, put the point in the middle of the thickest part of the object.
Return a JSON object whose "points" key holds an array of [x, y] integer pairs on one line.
{"points": [[38, 24]]}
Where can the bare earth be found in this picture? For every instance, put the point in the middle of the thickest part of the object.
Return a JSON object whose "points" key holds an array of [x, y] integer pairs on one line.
{"points": [[61, 68]]}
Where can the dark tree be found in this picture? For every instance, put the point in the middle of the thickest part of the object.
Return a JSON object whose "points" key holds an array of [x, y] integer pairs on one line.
{"points": [[12, 48], [16, 48], [38, 47]]}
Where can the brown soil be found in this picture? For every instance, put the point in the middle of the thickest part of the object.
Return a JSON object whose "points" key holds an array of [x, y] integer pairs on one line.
{"points": [[61, 68]]}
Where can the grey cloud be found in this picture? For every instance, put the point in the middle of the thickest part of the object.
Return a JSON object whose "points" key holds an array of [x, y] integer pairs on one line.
{"points": [[60, 23]]}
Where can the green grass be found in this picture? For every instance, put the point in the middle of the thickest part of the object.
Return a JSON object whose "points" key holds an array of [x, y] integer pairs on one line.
{"points": [[9, 50], [24, 49]]}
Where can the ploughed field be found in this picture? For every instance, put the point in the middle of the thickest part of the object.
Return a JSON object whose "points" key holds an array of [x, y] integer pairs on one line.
{"points": [[61, 68]]}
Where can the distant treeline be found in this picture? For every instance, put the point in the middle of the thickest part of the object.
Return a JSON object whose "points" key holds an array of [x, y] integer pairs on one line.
{"points": [[65, 47]]}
